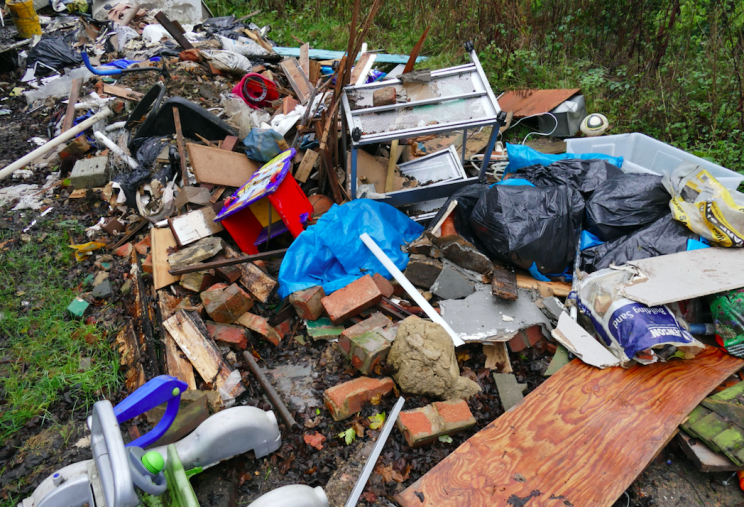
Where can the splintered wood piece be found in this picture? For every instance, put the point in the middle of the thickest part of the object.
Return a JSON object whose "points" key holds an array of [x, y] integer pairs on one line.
{"points": [[546, 289], [496, 354], [220, 167], [122, 93], [257, 283], [189, 332], [194, 226], [305, 59], [504, 283], [584, 435], [176, 364], [173, 30], [77, 84], [217, 194], [298, 79], [179, 144], [306, 166], [160, 241], [129, 358]]}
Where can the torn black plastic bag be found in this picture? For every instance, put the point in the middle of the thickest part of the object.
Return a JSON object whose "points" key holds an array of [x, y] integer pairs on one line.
{"points": [[467, 198], [130, 182], [624, 204], [55, 52], [524, 225], [148, 151], [583, 175], [663, 237]]}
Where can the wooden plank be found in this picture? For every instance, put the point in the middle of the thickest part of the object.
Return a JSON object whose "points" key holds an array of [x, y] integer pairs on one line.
{"points": [[189, 332], [305, 59], [583, 435], [202, 266], [704, 458], [179, 143], [217, 194], [176, 363], [161, 240], [314, 72], [504, 283], [122, 93], [306, 166], [194, 226], [220, 167], [496, 354], [133, 229], [360, 67], [129, 358], [257, 283], [77, 84], [229, 143], [546, 289], [389, 180], [297, 79], [171, 28], [414, 54]]}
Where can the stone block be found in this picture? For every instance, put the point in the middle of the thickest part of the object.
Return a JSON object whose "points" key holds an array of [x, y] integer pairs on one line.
{"points": [[103, 290], [352, 299], [345, 400], [90, 173], [261, 326], [383, 284], [510, 392], [425, 425], [384, 96], [307, 302], [226, 306], [422, 271], [229, 334]]}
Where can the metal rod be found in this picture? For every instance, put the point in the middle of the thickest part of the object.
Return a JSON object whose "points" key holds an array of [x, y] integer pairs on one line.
{"points": [[226, 262], [356, 493], [425, 102], [270, 392], [476, 62], [464, 144], [451, 71], [383, 137]]}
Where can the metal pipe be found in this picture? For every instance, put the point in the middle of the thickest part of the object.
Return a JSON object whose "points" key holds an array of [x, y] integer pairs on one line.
{"points": [[409, 288], [356, 493], [62, 138], [270, 392]]}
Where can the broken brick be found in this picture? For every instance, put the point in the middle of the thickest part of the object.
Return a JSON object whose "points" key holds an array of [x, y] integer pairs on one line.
{"points": [[345, 400], [226, 306], [525, 338], [147, 264], [198, 280], [261, 326], [124, 250], [384, 96], [307, 302], [424, 425], [383, 284], [366, 351], [375, 321], [352, 299], [143, 246], [230, 274], [226, 333]]}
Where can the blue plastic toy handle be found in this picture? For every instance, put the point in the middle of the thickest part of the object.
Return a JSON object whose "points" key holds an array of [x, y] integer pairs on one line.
{"points": [[154, 393], [98, 72]]}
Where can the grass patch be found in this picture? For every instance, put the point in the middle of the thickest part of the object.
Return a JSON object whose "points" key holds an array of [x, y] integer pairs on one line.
{"points": [[36, 332]]}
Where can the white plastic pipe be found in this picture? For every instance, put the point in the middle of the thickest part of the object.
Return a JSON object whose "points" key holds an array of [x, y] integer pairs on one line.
{"points": [[115, 126], [410, 289], [295, 495], [118, 151], [62, 138]]}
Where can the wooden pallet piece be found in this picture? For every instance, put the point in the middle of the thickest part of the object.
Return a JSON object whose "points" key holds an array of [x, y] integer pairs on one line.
{"points": [[582, 436]]}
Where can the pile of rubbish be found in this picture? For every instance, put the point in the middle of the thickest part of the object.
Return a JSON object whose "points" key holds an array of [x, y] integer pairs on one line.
{"points": [[264, 198]]}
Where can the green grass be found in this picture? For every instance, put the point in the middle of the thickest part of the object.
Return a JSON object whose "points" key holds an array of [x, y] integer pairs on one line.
{"points": [[37, 333]]}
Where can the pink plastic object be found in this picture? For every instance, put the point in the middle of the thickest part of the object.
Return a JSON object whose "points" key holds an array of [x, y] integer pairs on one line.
{"points": [[256, 90]]}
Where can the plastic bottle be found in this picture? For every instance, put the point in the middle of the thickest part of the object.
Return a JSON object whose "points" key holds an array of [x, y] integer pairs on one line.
{"points": [[24, 17]]}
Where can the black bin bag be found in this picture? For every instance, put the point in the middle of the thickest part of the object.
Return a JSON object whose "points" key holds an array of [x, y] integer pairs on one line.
{"points": [[582, 175], [663, 237], [523, 225], [624, 204]]}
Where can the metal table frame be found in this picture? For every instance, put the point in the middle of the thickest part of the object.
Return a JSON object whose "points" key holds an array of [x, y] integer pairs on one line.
{"points": [[436, 190]]}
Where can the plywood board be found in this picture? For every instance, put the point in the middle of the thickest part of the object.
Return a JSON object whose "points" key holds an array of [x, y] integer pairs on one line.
{"points": [[161, 240], [580, 438], [220, 167], [297, 79], [374, 170], [685, 275], [194, 226]]}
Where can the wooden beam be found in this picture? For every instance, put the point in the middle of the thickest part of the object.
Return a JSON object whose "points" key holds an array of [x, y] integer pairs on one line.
{"points": [[229, 143], [416, 50], [297, 79], [172, 29], [546, 289], [77, 84], [181, 147], [391, 166], [226, 262], [160, 241], [504, 283], [583, 436]]}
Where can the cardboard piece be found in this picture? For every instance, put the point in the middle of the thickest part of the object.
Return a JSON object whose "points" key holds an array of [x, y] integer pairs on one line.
{"points": [[220, 167]]}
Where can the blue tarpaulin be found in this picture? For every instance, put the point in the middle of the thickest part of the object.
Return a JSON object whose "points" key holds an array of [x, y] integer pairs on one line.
{"points": [[523, 156], [331, 254]]}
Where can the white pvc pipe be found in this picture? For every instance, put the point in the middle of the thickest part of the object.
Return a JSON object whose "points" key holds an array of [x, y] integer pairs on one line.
{"points": [[117, 151], [410, 289], [62, 138], [115, 126]]}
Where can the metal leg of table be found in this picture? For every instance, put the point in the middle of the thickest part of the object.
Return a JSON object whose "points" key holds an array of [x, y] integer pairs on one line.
{"points": [[353, 172], [464, 143], [489, 151]]}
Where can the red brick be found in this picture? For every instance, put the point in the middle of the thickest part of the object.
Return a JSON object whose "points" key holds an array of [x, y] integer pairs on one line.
{"points": [[345, 400], [525, 338], [226, 306], [383, 284], [307, 302], [368, 350], [143, 246], [147, 264], [424, 425], [197, 281], [352, 299], [124, 250], [261, 326], [225, 333], [398, 289], [230, 274]]}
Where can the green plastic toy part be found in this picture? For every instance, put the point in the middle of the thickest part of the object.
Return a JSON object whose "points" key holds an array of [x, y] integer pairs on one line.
{"points": [[179, 487], [153, 462]]}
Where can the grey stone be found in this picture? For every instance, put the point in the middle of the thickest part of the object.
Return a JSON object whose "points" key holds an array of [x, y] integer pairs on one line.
{"points": [[452, 285], [422, 271], [510, 392], [90, 173], [102, 290]]}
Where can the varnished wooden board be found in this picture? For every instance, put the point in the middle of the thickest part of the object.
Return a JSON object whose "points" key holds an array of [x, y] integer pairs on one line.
{"points": [[504, 283], [583, 436], [161, 240], [220, 167]]}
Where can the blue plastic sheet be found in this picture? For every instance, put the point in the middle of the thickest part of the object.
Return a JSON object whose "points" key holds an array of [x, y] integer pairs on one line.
{"points": [[589, 240], [331, 254], [514, 182], [524, 156]]}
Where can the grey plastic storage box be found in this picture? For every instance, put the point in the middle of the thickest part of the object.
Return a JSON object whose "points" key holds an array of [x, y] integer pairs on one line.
{"points": [[644, 154]]}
